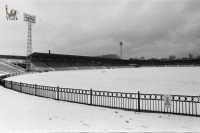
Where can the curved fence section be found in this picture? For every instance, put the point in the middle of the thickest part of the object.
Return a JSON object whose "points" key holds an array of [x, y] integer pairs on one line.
{"points": [[154, 103], [74, 95], [178, 104], [117, 100]]}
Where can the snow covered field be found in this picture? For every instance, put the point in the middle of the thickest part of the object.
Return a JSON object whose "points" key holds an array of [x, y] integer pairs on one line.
{"points": [[161, 80], [26, 113]]}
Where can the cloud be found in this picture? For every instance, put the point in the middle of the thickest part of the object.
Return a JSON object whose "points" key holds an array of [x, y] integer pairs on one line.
{"points": [[150, 28]]}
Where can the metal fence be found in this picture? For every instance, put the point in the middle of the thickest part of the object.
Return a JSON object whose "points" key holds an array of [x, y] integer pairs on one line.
{"points": [[16, 74], [154, 103]]}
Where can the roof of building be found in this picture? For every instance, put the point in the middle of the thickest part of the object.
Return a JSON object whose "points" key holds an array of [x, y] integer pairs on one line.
{"points": [[60, 56]]}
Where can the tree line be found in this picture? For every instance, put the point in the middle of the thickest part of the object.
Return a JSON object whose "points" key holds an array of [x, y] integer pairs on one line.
{"points": [[171, 57]]}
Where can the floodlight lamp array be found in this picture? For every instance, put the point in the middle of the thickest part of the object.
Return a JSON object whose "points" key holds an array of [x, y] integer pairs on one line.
{"points": [[29, 18]]}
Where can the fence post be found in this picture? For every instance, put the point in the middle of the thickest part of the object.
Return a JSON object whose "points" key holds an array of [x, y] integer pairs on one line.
{"points": [[11, 85], [20, 87], [57, 93], [4, 83], [35, 89], [138, 101], [91, 96]]}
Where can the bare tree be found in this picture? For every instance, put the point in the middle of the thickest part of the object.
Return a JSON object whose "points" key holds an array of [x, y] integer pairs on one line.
{"points": [[198, 56], [190, 56], [142, 58], [172, 57]]}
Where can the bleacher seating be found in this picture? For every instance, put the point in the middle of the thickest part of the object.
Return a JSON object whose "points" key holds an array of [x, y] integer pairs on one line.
{"points": [[47, 61], [42, 66], [50, 62], [15, 66], [6, 68]]}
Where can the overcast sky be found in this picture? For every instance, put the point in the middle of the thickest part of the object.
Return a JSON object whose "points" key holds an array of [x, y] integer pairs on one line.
{"points": [[149, 28]]}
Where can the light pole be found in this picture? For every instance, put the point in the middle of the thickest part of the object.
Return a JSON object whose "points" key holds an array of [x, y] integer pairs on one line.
{"points": [[121, 44], [30, 19]]}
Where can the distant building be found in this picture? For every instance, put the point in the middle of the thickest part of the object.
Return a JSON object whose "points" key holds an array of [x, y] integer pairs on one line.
{"points": [[110, 56]]}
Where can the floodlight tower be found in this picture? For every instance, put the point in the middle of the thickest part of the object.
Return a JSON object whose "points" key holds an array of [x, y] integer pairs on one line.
{"points": [[30, 19], [120, 44]]}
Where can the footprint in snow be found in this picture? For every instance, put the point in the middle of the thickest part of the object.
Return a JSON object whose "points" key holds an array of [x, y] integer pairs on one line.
{"points": [[116, 112], [102, 130], [144, 126], [129, 128], [56, 116], [127, 121], [186, 127], [103, 109], [85, 124], [29, 111], [137, 113], [63, 119]]}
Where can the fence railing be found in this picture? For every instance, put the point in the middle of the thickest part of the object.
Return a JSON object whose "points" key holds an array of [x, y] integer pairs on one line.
{"points": [[17, 74], [154, 103]]}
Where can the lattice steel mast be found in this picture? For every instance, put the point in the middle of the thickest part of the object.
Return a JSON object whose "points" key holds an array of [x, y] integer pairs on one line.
{"points": [[30, 19]]}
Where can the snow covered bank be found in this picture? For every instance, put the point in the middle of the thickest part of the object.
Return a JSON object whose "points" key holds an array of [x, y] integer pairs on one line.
{"points": [[25, 113]]}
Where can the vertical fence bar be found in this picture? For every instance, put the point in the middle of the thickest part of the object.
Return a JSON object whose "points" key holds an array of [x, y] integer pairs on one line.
{"points": [[4, 83], [57, 93], [35, 89], [138, 101], [11, 85], [91, 96], [192, 104], [20, 86], [196, 108]]}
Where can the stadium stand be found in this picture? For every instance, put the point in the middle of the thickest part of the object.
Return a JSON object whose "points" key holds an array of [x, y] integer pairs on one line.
{"points": [[12, 64], [6, 67], [58, 62], [42, 66], [48, 62]]}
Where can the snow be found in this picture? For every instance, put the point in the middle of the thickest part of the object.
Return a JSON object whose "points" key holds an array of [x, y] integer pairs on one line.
{"points": [[26, 113]]}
